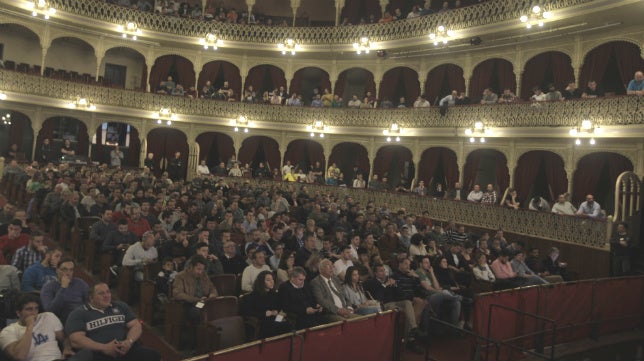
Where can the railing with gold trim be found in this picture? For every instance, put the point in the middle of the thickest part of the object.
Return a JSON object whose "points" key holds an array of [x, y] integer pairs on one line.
{"points": [[605, 111], [570, 229], [486, 13]]}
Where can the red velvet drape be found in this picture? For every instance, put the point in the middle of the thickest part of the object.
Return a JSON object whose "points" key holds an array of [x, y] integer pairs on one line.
{"points": [[251, 146], [344, 82], [144, 77], [164, 142], [211, 70], [390, 160], [589, 171], [357, 9], [222, 143], [316, 77], [628, 58], [392, 78], [53, 124], [265, 78], [304, 152], [20, 126], [472, 169], [535, 71], [483, 77], [450, 74], [431, 159], [347, 155], [179, 67], [528, 167]]}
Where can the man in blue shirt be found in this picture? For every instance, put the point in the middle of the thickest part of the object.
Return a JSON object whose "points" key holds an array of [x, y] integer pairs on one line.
{"points": [[636, 86], [40, 273], [62, 295], [590, 208]]}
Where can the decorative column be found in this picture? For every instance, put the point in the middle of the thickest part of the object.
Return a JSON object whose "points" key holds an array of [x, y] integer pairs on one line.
{"points": [[416, 153], [422, 86], [383, 5], [512, 163], [377, 81], [45, 43], [519, 85], [371, 153], [149, 65], [99, 59], [36, 125], [193, 160], [640, 160], [283, 145], [249, 4], [144, 150], [295, 4], [339, 4], [42, 60]]}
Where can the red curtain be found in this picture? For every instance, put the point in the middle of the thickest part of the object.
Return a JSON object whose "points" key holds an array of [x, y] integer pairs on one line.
{"points": [[258, 146], [429, 162], [179, 67], [589, 171], [144, 78], [164, 142], [535, 71], [528, 168], [265, 78], [316, 76], [211, 70], [450, 74], [20, 125], [384, 162], [222, 143], [304, 152], [391, 79], [347, 155], [628, 58], [484, 74], [487, 156], [344, 81], [52, 124]]}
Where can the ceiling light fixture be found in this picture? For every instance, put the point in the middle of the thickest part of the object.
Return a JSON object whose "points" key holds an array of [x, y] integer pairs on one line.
{"points": [[317, 127], [241, 123], [362, 46], [6, 119], [587, 129], [3, 96], [130, 29], [478, 130], [537, 16], [41, 7], [211, 40], [394, 129], [164, 114], [82, 104], [442, 35], [290, 46]]}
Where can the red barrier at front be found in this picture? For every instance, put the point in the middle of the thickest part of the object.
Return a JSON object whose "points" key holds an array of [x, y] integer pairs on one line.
{"points": [[374, 346], [569, 304], [619, 304]]}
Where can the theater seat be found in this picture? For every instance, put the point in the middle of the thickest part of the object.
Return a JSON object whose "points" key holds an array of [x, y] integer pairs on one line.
{"points": [[226, 284]]}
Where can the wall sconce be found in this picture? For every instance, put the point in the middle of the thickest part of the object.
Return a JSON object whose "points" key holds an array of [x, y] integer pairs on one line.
{"points": [[441, 36], [164, 114], [317, 127], [6, 119], [362, 46], [131, 29], [82, 104], [478, 130], [211, 40], [290, 46], [536, 17], [241, 122], [586, 129], [393, 130], [41, 7]]}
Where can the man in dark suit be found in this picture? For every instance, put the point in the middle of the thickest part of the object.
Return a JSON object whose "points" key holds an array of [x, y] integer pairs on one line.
{"points": [[297, 300], [327, 290]]}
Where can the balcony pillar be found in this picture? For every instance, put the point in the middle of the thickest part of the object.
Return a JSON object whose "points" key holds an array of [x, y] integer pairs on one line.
{"points": [[42, 60], [147, 83], [249, 4], [383, 6], [36, 125], [519, 85], [416, 159], [570, 172], [339, 4], [295, 4], [99, 59], [422, 87], [467, 85], [378, 81]]}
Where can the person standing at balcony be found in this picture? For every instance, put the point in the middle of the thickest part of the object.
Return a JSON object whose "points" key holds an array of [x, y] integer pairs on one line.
{"points": [[636, 86], [67, 149], [421, 102], [282, 94], [621, 251], [332, 175], [489, 197], [571, 91], [402, 102], [45, 151], [354, 102], [592, 90], [116, 157], [507, 96], [476, 194], [589, 208], [489, 97], [149, 162], [176, 168]]}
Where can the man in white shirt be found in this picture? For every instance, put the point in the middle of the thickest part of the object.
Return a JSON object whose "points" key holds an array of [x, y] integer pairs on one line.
{"points": [[287, 168], [202, 168], [354, 102], [251, 272], [141, 253], [35, 336], [421, 102], [475, 195], [340, 266], [563, 206]]}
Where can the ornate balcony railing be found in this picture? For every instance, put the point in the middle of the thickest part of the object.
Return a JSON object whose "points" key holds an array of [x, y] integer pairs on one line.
{"points": [[605, 111], [528, 223], [486, 13]]}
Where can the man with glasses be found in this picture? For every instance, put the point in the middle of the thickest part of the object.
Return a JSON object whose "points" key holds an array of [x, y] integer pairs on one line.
{"points": [[62, 295]]}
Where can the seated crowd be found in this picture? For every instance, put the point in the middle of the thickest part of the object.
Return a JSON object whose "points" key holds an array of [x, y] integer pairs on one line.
{"points": [[302, 258]]}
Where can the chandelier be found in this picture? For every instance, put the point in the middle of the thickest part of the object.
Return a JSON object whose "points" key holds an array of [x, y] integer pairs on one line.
{"points": [[442, 35], [3, 96], [478, 130], [129, 29], [393, 130], [6, 119], [586, 129], [536, 17], [211, 40], [318, 127], [82, 104], [241, 122], [290, 46], [362, 46], [164, 114], [41, 7]]}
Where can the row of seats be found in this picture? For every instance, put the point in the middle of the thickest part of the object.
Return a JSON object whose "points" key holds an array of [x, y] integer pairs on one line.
{"points": [[61, 74]]}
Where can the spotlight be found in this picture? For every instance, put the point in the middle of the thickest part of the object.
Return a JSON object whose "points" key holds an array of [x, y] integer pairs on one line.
{"points": [[476, 40]]}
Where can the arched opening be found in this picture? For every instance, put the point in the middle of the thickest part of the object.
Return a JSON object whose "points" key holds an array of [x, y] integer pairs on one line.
{"points": [[596, 174], [540, 173], [486, 166], [124, 68], [303, 153], [307, 81], [497, 74], [442, 80], [69, 59], [347, 156], [358, 10], [394, 162], [59, 129], [356, 81], [438, 165], [218, 72], [215, 148], [108, 135], [21, 48], [400, 82], [179, 68], [164, 143], [260, 149], [552, 67], [265, 78], [612, 66], [19, 133]]}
